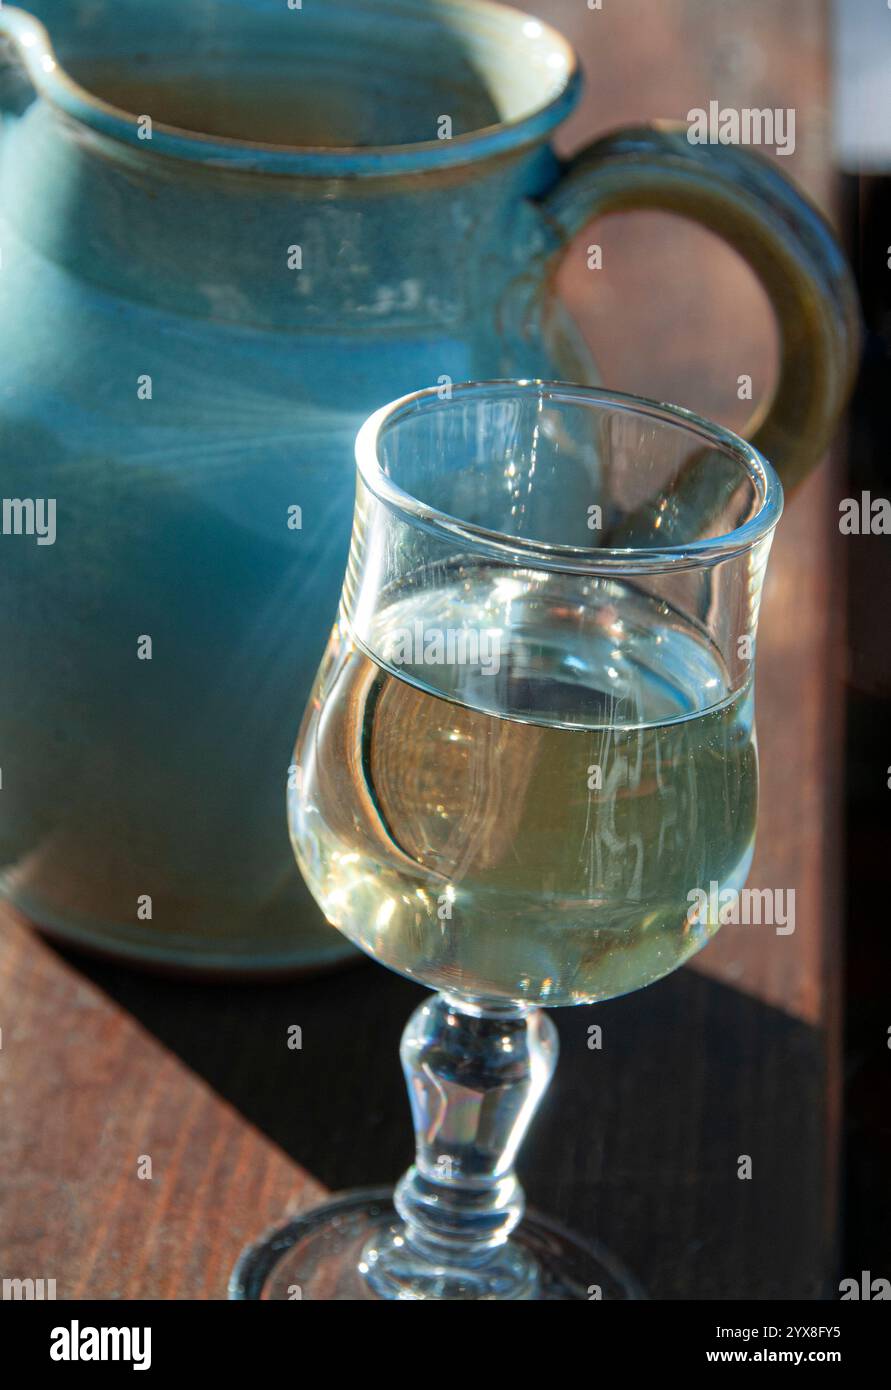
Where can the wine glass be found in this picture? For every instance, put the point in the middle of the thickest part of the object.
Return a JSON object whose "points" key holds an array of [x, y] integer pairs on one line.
{"points": [[528, 756]]}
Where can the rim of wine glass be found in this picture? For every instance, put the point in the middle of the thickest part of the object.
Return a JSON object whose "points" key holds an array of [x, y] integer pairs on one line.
{"points": [[574, 559]]}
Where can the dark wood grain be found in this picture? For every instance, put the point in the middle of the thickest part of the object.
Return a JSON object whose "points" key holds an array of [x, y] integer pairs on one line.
{"points": [[637, 1143], [86, 1094]]}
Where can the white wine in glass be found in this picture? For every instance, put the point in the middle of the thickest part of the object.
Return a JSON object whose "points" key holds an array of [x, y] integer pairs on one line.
{"points": [[546, 855], [528, 757]]}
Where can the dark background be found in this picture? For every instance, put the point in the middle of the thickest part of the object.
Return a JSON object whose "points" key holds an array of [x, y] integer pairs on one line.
{"points": [[867, 227]]}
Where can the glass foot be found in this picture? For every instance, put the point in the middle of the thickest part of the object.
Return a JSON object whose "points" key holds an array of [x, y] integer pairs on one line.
{"points": [[351, 1249]]}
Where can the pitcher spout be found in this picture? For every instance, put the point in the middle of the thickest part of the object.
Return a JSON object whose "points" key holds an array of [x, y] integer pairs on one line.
{"points": [[367, 106], [282, 191]]}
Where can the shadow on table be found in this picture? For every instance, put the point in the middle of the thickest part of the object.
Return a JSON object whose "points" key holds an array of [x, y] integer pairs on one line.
{"points": [[639, 1142]]}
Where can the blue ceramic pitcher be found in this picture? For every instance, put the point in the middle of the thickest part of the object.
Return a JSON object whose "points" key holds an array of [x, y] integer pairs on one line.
{"points": [[231, 229]]}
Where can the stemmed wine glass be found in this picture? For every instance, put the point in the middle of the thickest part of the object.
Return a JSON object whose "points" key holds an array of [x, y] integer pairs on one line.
{"points": [[528, 755]]}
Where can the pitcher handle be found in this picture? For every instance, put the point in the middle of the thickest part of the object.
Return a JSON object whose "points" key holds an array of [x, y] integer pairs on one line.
{"points": [[782, 236]]}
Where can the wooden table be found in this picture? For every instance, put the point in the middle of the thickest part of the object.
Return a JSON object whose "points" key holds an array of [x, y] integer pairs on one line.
{"points": [[639, 1143]]}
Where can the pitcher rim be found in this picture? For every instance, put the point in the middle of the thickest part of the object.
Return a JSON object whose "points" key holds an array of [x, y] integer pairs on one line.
{"points": [[51, 81], [522, 550]]}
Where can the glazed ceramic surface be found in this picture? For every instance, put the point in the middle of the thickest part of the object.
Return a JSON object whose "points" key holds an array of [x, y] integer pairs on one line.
{"points": [[229, 232]]}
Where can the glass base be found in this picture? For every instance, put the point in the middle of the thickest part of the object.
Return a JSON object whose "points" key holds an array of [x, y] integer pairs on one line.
{"points": [[351, 1249]]}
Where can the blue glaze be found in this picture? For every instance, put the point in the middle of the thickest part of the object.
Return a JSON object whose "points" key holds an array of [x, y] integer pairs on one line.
{"points": [[292, 247], [169, 259]]}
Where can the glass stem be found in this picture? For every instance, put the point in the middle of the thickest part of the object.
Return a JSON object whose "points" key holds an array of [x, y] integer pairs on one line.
{"points": [[475, 1077]]}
